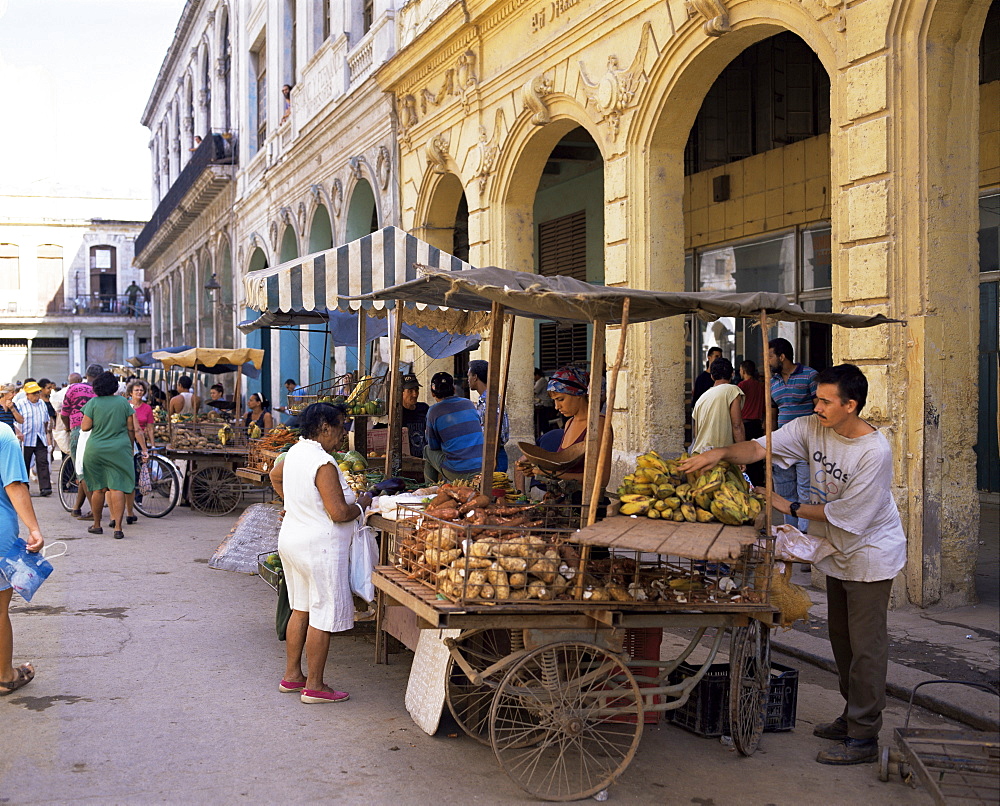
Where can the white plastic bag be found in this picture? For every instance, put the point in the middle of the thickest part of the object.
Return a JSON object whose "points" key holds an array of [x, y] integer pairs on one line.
{"points": [[364, 556], [791, 545], [81, 449]]}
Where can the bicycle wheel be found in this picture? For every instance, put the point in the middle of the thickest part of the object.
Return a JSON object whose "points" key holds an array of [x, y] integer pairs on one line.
{"points": [[166, 489], [749, 674], [67, 484]]}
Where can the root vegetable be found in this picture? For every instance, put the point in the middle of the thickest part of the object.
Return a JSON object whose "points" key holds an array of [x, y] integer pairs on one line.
{"points": [[513, 563]]}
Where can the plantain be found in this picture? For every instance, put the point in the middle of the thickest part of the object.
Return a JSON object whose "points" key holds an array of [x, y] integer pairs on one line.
{"points": [[703, 516], [684, 493], [678, 516], [634, 508], [659, 506], [653, 513], [643, 489], [689, 513], [633, 498], [665, 490], [725, 514], [703, 499], [673, 502]]}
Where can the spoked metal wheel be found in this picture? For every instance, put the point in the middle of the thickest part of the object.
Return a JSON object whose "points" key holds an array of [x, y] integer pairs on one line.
{"points": [[470, 703], [215, 490], [566, 720], [165, 489], [67, 484], [749, 672]]}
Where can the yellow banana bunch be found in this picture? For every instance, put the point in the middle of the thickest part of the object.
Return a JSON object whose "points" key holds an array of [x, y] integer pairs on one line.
{"points": [[254, 431], [224, 433], [360, 392], [635, 507]]}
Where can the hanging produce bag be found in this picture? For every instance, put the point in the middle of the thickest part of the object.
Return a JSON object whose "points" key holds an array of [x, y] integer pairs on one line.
{"points": [[364, 556]]}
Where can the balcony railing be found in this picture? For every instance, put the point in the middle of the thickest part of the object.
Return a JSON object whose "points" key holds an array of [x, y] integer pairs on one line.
{"points": [[108, 305], [213, 150]]}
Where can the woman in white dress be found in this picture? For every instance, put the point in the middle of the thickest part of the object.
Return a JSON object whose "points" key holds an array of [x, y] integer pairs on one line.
{"points": [[314, 544]]}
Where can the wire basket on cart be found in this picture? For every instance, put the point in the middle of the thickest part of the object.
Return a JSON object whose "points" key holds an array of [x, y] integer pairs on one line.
{"points": [[531, 553], [208, 437], [346, 389], [269, 569]]}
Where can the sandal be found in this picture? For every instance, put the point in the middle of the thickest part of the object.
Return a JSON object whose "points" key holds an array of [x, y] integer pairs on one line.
{"points": [[25, 674], [95, 530], [311, 696]]}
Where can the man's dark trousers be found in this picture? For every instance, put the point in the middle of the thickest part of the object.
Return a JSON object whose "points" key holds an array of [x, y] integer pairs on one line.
{"points": [[41, 453], [860, 640]]}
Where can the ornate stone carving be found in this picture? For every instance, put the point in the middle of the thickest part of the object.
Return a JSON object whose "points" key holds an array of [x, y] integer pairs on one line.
{"points": [[302, 215], [618, 89], [714, 12], [317, 193], [272, 232], [204, 96], [435, 98], [210, 17], [466, 80], [533, 99], [382, 167], [822, 8], [488, 149], [285, 214], [354, 164], [437, 152], [188, 124], [220, 67], [337, 197], [406, 116]]}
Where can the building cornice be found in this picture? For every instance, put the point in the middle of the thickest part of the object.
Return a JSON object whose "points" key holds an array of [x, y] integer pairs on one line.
{"points": [[178, 50]]}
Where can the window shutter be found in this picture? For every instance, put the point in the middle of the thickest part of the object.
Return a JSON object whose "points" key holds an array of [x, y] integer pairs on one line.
{"points": [[562, 250]]}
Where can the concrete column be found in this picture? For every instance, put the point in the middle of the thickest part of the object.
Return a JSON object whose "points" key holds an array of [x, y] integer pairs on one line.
{"points": [[77, 355], [130, 344]]}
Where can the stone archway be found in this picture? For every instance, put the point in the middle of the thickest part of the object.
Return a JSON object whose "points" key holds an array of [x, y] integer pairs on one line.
{"points": [[320, 230], [362, 212]]}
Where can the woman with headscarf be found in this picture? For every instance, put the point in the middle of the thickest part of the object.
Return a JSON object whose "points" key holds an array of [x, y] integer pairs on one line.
{"points": [[568, 388], [108, 467]]}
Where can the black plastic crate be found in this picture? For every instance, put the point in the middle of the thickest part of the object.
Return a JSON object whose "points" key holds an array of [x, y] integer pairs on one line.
{"points": [[707, 710]]}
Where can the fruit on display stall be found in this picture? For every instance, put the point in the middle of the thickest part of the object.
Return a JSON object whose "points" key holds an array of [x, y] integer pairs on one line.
{"points": [[351, 462], [659, 490]]}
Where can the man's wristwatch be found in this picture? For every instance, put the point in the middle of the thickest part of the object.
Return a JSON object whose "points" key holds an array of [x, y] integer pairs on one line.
{"points": [[794, 508]]}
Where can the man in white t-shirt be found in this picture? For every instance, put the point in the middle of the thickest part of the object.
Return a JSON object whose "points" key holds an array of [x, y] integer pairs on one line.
{"points": [[851, 503], [717, 417]]}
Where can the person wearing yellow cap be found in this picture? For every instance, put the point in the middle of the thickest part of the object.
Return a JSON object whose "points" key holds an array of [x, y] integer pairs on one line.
{"points": [[34, 431]]}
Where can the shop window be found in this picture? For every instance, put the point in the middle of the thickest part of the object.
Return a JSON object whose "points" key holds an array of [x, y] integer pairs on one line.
{"points": [[562, 250]]}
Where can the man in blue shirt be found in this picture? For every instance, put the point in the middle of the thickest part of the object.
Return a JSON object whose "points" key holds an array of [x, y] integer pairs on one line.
{"points": [[454, 446], [15, 500], [34, 431], [793, 389]]}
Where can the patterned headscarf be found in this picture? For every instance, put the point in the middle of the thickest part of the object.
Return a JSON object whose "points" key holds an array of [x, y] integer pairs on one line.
{"points": [[569, 381]]}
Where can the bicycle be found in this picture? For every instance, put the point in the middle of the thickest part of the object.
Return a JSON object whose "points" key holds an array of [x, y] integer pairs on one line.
{"points": [[163, 496]]}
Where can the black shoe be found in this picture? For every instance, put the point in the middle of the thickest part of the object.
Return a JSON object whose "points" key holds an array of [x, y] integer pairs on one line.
{"points": [[130, 519], [850, 751], [111, 523], [45, 493], [120, 535], [835, 731], [95, 530]]}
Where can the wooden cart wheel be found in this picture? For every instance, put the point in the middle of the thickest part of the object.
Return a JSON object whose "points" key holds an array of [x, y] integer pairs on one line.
{"points": [[582, 711], [470, 703], [215, 490], [749, 673]]}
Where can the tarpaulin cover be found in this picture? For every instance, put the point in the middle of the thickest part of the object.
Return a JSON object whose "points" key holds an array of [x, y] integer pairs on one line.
{"points": [[214, 361], [565, 299], [435, 344]]}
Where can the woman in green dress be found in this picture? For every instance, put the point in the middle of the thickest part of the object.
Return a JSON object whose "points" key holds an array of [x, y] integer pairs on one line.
{"points": [[108, 467]]}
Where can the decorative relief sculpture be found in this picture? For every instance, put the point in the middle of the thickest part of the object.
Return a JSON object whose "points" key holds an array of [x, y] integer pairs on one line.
{"points": [[406, 117], [488, 149], [302, 215], [354, 163], [437, 152], [273, 233], [337, 197], [467, 82], [285, 214], [821, 8], [435, 98], [317, 193], [382, 167], [714, 12], [618, 89], [533, 99]]}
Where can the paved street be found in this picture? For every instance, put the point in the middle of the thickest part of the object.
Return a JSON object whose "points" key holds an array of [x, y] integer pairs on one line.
{"points": [[157, 683]]}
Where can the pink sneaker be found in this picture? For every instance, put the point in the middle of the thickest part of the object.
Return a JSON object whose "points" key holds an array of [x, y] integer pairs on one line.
{"points": [[291, 686], [310, 696]]}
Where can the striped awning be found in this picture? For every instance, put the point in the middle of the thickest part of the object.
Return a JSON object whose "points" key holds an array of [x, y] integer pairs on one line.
{"points": [[321, 281]]}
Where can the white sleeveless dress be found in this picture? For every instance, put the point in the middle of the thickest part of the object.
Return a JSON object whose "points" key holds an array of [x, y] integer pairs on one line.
{"points": [[315, 551]]}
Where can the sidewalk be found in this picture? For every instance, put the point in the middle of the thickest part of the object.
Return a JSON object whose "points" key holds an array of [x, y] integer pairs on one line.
{"points": [[929, 644]]}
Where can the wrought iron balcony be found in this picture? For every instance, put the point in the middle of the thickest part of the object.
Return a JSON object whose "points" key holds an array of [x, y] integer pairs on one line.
{"points": [[198, 185]]}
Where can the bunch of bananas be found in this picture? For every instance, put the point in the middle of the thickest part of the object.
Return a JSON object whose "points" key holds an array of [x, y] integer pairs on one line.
{"points": [[659, 490], [254, 431], [360, 392], [225, 433]]}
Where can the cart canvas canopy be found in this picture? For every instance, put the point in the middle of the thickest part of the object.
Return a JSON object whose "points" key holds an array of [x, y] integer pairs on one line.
{"points": [[565, 299], [214, 361], [303, 290]]}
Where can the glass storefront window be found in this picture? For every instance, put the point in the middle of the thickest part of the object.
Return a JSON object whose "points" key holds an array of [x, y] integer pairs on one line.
{"points": [[989, 233], [816, 264]]}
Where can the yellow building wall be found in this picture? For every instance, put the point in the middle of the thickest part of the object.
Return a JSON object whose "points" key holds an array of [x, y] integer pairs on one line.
{"points": [[781, 188]]}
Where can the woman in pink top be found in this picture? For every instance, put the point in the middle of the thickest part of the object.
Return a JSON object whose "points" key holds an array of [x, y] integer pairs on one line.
{"points": [[136, 390]]}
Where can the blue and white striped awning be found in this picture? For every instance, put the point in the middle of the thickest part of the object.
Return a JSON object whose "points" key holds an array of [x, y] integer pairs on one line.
{"points": [[320, 282]]}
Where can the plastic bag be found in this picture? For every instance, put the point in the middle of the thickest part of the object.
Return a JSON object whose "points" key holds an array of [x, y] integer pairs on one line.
{"points": [[792, 545], [81, 449], [145, 485], [364, 556], [25, 571]]}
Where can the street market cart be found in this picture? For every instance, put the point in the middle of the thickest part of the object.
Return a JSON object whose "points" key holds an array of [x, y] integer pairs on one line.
{"points": [[545, 674], [211, 447]]}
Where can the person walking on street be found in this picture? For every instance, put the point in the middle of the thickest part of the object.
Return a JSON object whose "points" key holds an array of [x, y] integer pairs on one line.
{"points": [[478, 373], [704, 381], [60, 433], [108, 467], [793, 388], [314, 543], [76, 398], [454, 446], [851, 504], [34, 434], [9, 413], [15, 501], [717, 418], [753, 415]]}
